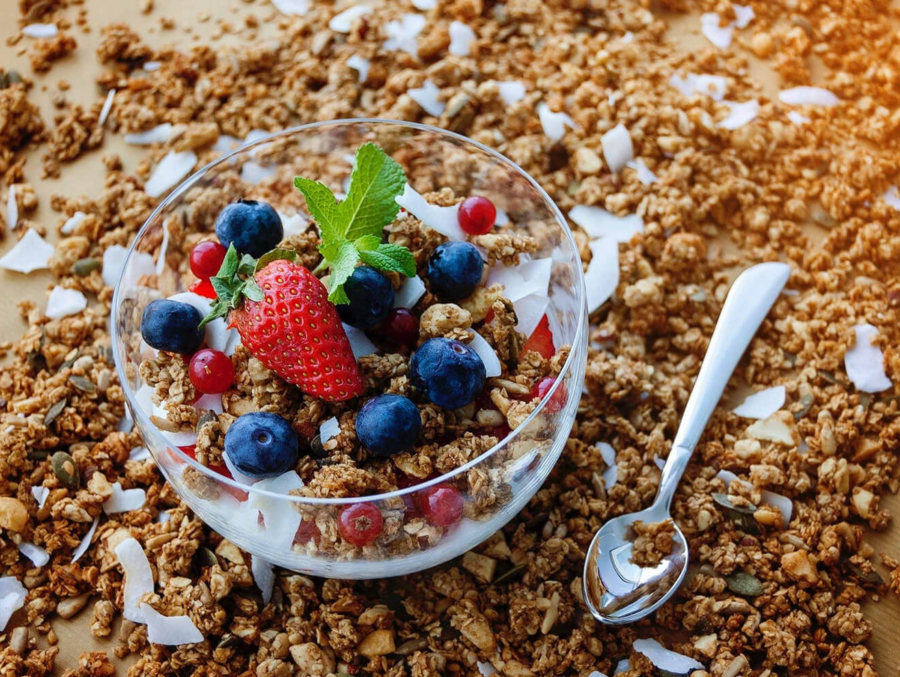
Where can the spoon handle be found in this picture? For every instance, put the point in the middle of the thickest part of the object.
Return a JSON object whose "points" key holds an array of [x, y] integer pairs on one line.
{"points": [[749, 301]]}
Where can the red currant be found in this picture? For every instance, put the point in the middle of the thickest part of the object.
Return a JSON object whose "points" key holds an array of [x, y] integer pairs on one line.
{"points": [[206, 259], [360, 523], [557, 401], [401, 326], [442, 505], [203, 288], [306, 532], [477, 215], [211, 371]]}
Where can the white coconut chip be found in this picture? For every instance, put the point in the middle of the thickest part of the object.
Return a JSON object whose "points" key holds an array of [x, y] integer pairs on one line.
{"points": [[597, 222], [169, 172], [31, 253], [169, 630], [343, 22], [159, 134], [596, 673], [797, 118], [40, 495], [12, 598], [808, 96], [114, 261], [623, 665], [409, 293], [424, 5], [217, 332], [444, 220], [72, 223], [740, 114], [107, 107], [126, 423], [139, 454], [85, 542], [772, 429], [491, 362], [713, 30], [40, 30], [329, 430], [163, 249], [12, 207], [281, 524], [403, 34], [263, 576], [864, 362], [293, 224], [617, 148], [255, 173], [502, 218], [530, 277], [554, 124], [529, 311], [762, 404], [138, 578], [226, 143], [461, 38], [255, 135], [486, 669], [359, 342], [427, 97], [743, 15], [783, 503], [163, 517], [713, 86], [611, 474], [124, 500], [292, 7], [644, 173], [667, 660], [183, 438], [35, 553], [360, 65], [64, 302], [511, 91], [892, 197], [150, 66], [602, 276], [660, 462]]}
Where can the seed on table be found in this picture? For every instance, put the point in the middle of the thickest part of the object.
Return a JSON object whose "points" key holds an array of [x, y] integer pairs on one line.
{"points": [[84, 267], [65, 470]]}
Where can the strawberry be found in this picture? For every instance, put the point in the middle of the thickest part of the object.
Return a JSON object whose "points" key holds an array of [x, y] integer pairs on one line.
{"points": [[541, 340]]}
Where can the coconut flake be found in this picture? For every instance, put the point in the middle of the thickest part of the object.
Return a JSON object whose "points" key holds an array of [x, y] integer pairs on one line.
{"points": [[713, 86], [427, 97], [596, 673], [163, 249], [623, 665], [444, 220], [597, 222], [611, 474], [486, 669], [72, 223], [530, 277], [40, 30], [808, 96], [163, 517], [281, 525], [35, 553], [114, 258], [217, 332], [511, 91], [254, 173], [864, 362], [739, 114], [660, 462], [40, 495], [461, 38], [64, 302], [263, 576], [124, 500], [797, 118], [31, 253], [892, 197], [667, 660], [329, 430], [409, 293], [150, 66], [169, 630], [644, 173], [138, 578], [107, 106], [139, 454], [359, 342], [12, 598], [226, 143], [502, 218], [424, 5], [712, 28], [492, 366], [343, 22], [12, 208], [360, 65], [772, 429], [529, 311], [403, 34], [236, 474], [554, 124], [762, 404], [85, 542], [159, 134], [169, 172], [617, 148], [783, 503], [743, 15], [292, 7], [293, 224], [602, 276]]}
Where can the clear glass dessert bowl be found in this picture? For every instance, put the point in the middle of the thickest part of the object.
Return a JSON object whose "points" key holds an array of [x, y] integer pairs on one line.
{"points": [[300, 532]]}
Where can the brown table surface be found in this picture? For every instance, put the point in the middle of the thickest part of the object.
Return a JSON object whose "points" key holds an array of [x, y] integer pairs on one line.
{"points": [[80, 71]]}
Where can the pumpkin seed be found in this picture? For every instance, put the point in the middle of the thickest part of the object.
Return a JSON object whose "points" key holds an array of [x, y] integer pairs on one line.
{"points": [[725, 501], [4, 83], [13, 77], [84, 267], [82, 383], [411, 645], [54, 411], [38, 454], [825, 219], [807, 401], [872, 577], [865, 399], [744, 584], [65, 470], [510, 575], [207, 557], [205, 418], [70, 359], [228, 639]]}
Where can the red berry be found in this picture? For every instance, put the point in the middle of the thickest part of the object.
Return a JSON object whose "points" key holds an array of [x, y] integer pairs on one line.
{"points": [[203, 288], [477, 215], [211, 371], [206, 259], [557, 401], [401, 326], [306, 532], [442, 505], [541, 340], [360, 523]]}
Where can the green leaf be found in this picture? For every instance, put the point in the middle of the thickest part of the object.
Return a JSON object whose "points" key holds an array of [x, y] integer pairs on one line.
{"points": [[219, 309], [370, 205], [224, 287], [247, 265], [252, 291], [342, 266], [229, 266], [323, 206], [367, 242], [274, 255], [391, 257]]}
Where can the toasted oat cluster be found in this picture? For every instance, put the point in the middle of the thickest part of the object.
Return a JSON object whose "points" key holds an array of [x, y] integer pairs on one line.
{"points": [[777, 502]]}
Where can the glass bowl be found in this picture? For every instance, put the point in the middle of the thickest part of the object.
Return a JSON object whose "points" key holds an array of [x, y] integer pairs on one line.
{"points": [[298, 532]]}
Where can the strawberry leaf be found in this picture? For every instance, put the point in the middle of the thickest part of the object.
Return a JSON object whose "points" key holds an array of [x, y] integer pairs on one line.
{"points": [[252, 291], [391, 257], [274, 255]]}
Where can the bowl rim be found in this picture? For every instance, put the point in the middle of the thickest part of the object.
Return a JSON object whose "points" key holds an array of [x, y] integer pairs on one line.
{"points": [[178, 191]]}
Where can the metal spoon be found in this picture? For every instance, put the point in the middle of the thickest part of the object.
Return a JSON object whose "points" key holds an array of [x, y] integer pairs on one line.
{"points": [[616, 590]]}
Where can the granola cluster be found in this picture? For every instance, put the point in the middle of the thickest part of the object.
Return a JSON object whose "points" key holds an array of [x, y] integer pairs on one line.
{"points": [[772, 590]]}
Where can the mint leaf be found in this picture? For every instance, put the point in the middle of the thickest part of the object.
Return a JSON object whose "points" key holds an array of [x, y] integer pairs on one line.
{"points": [[274, 255], [367, 242], [391, 257], [323, 206], [342, 265], [370, 205]]}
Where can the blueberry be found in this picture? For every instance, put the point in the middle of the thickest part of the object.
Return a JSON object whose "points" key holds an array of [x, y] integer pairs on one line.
{"points": [[448, 372], [454, 270], [388, 424], [261, 444], [371, 297], [252, 227], [172, 326]]}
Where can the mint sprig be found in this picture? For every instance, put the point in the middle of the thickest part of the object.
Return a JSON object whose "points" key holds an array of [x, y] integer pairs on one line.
{"points": [[352, 228]]}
